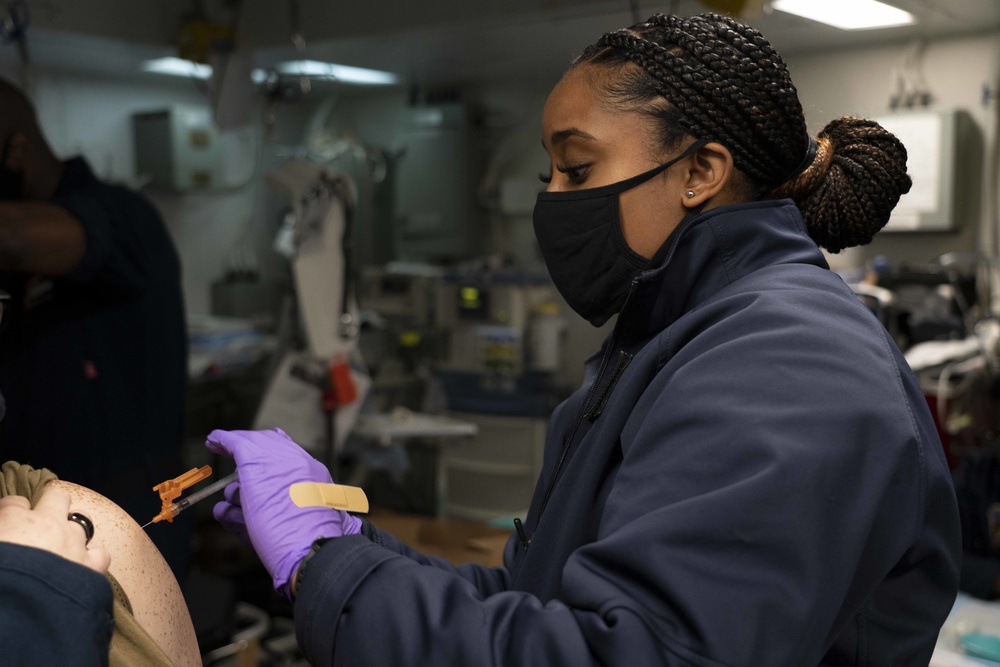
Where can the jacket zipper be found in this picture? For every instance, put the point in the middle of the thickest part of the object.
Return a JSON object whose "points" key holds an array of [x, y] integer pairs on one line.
{"points": [[521, 536], [624, 358], [583, 412]]}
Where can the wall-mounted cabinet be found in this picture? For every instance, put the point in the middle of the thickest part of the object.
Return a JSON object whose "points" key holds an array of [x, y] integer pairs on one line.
{"points": [[936, 143]]}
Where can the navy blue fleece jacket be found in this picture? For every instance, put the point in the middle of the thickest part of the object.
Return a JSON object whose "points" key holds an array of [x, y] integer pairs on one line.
{"points": [[52, 611], [750, 476]]}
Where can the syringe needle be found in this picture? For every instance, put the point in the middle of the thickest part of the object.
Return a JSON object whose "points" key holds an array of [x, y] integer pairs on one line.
{"points": [[170, 512]]}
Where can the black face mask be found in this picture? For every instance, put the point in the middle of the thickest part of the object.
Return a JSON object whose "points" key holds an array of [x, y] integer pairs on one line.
{"points": [[583, 246]]}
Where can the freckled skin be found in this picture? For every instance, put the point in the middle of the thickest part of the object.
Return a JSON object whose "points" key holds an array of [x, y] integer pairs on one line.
{"points": [[157, 602]]}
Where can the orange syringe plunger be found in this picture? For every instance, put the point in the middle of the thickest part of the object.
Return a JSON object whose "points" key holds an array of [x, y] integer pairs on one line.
{"points": [[171, 489]]}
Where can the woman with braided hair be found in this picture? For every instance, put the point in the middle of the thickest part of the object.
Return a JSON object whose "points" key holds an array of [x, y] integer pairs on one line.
{"points": [[750, 475]]}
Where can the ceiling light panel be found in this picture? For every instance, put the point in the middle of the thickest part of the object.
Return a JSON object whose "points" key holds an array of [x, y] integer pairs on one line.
{"points": [[178, 67], [314, 69], [342, 73], [848, 14]]}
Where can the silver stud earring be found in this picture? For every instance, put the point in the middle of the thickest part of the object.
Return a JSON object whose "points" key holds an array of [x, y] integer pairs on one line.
{"points": [[690, 194]]}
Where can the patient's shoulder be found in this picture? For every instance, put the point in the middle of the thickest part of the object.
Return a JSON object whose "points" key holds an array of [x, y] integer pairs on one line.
{"points": [[155, 596]]}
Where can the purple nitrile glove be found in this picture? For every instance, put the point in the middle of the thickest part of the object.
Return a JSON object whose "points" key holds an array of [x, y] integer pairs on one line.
{"points": [[229, 513], [259, 505]]}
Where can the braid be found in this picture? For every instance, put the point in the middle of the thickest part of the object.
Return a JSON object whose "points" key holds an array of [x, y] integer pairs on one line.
{"points": [[847, 194], [713, 78], [709, 68]]}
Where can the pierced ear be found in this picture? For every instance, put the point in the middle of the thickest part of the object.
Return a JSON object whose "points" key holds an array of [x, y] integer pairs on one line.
{"points": [[710, 171]]}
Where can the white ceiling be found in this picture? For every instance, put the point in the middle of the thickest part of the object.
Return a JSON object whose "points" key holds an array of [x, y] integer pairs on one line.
{"points": [[428, 42]]}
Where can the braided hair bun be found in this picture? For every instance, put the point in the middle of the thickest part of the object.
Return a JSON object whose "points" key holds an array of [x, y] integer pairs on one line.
{"points": [[855, 180], [713, 78]]}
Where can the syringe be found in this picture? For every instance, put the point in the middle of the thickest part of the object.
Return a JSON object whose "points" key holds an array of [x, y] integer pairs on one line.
{"points": [[169, 512]]}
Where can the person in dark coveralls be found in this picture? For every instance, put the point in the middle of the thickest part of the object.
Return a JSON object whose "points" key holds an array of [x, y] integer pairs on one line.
{"points": [[55, 604], [93, 365], [749, 476]]}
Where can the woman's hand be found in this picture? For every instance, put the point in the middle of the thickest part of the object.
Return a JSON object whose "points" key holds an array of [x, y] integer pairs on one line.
{"points": [[258, 506], [48, 527]]}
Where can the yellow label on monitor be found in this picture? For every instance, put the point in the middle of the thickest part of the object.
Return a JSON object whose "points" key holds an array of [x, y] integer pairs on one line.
{"points": [[336, 496]]}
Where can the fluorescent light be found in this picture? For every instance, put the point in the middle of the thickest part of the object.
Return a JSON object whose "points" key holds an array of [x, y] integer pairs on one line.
{"points": [[178, 67], [311, 68], [342, 73], [848, 14]]}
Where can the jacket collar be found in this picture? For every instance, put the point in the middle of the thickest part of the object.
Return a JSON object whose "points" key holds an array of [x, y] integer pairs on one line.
{"points": [[711, 251]]}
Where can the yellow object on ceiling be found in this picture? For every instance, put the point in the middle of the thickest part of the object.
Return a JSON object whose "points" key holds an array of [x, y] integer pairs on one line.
{"points": [[197, 39]]}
